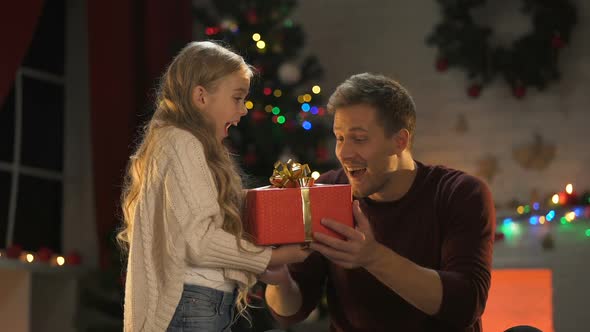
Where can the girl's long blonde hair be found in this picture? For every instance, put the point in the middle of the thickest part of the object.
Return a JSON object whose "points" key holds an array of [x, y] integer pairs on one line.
{"points": [[204, 64]]}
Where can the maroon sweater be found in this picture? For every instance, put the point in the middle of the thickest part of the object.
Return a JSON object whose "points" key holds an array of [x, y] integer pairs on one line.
{"points": [[445, 222]]}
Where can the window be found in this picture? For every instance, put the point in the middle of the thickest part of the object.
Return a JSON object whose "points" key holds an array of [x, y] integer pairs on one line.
{"points": [[32, 140]]}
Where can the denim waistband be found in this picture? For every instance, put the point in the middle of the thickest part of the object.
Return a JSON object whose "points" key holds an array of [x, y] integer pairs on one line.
{"points": [[220, 297]]}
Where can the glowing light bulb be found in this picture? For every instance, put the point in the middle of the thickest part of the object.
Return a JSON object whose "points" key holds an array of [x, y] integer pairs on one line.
{"points": [[249, 105], [261, 44], [555, 199], [30, 258], [256, 37], [569, 188], [315, 175], [316, 89], [60, 260]]}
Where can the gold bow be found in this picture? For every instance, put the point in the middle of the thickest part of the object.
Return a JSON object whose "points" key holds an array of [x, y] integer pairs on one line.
{"points": [[291, 175]]}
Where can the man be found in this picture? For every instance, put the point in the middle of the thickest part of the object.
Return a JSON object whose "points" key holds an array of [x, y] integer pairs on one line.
{"points": [[420, 256]]}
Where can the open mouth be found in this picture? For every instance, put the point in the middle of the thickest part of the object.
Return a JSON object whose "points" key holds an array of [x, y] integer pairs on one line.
{"points": [[356, 172], [228, 125]]}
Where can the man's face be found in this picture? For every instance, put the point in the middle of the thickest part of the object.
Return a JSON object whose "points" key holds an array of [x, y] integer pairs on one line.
{"points": [[366, 155]]}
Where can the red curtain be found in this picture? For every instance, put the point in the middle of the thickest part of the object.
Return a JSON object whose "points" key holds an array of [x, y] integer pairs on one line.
{"points": [[18, 20], [130, 43]]}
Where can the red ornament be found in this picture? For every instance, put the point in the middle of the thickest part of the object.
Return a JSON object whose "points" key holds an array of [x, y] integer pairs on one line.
{"points": [[250, 158], [73, 258], [442, 64], [474, 90], [519, 91], [210, 31], [258, 116], [321, 154], [290, 125], [44, 254], [557, 42], [252, 17], [14, 251]]}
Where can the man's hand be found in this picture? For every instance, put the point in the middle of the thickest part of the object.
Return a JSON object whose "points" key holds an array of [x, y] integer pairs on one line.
{"points": [[359, 249]]}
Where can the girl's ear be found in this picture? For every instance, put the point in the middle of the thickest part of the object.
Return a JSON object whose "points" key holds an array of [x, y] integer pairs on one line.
{"points": [[199, 96]]}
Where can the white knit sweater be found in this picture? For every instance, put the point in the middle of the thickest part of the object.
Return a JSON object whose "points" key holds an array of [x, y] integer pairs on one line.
{"points": [[177, 222]]}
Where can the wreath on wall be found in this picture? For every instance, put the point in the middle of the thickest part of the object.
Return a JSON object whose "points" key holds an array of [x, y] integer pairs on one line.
{"points": [[531, 60]]}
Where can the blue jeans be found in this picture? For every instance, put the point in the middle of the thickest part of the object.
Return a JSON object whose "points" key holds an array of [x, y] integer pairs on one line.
{"points": [[203, 309]]}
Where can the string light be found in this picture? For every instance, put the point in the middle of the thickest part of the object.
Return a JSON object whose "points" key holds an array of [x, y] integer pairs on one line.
{"points": [[60, 260], [555, 199], [261, 44], [314, 110], [587, 232], [277, 93], [305, 107], [267, 91], [315, 175], [306, 125], [30, 258], [249, 105], [276, 110], [256, 37], [281, 119], [307, 97], [569, 189], [316, 89], [520, 209], [542, 220], [268, 108]]}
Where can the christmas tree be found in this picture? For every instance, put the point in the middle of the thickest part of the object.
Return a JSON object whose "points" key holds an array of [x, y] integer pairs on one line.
{"points": [[286, 117]]}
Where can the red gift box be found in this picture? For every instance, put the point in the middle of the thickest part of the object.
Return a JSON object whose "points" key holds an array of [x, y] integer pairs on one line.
{"points": [[291, 215]]}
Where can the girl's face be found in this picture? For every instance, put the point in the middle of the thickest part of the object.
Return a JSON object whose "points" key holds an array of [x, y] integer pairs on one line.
{"points": [[224, 104]]}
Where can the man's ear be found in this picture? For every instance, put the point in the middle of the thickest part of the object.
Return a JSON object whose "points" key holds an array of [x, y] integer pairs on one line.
{"points": [[199, 96], [400, 141]]}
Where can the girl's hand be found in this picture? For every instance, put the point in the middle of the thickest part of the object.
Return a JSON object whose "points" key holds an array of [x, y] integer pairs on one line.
{"points": [[287, 254]]}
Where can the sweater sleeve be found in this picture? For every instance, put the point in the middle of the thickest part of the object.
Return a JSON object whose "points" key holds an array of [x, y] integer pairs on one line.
{"points": [[191, 198], [467, 252]]}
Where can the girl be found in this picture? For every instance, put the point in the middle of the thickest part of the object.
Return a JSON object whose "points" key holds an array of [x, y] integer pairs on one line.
{"points": [[182, 201]]}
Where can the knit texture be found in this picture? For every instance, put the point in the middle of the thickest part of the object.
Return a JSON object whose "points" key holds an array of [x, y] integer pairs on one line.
{"points": [[176, 223]]}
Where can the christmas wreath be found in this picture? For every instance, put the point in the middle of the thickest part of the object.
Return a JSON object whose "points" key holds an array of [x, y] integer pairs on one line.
{"points": [[531, 60]]}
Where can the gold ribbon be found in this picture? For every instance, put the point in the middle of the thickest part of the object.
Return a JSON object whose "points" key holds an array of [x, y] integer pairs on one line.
{"points": [[306, 209], [296, 175]]}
